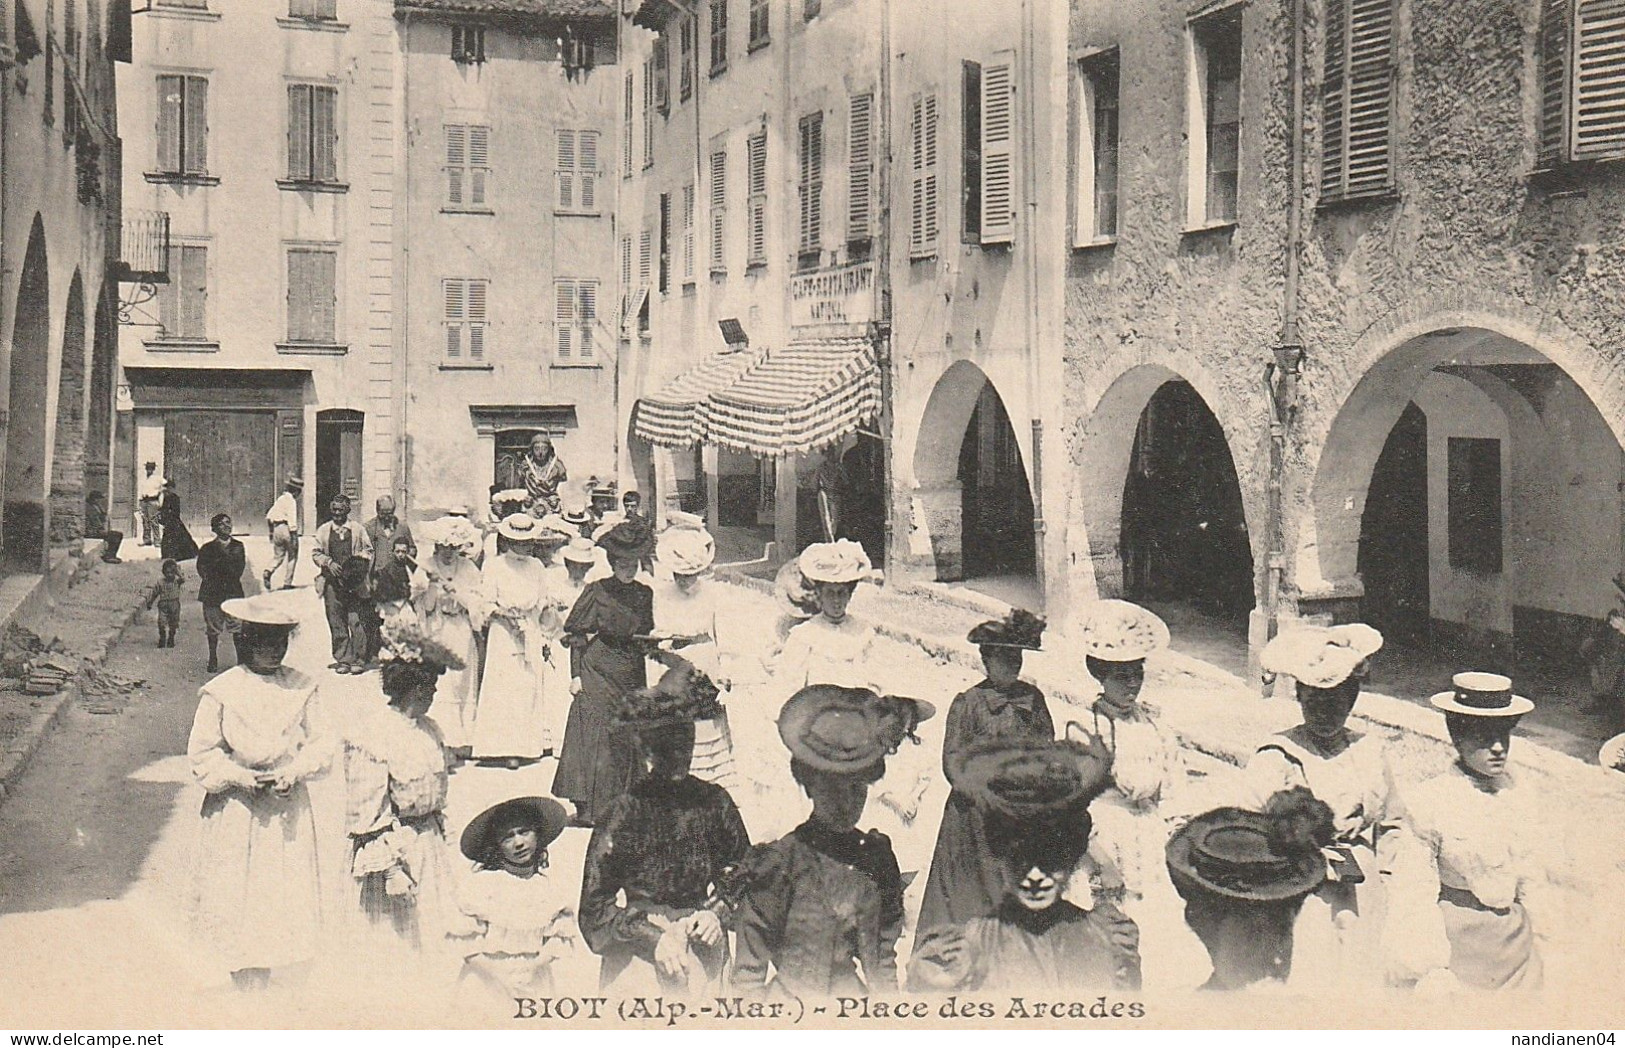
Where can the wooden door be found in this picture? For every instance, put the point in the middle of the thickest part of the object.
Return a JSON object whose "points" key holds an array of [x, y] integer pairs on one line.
{"points": [[338, 460], [222, 462]]}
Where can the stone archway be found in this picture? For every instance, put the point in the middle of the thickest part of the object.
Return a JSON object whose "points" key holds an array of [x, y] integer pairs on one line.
{"points": [[99, 417], [23, 532], [67, 517]]}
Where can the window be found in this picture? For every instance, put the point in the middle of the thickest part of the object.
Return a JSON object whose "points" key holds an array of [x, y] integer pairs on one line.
{"points": [[1473, 510], [1215, 119], [685, 58], [661, 72], [970, 156], [759, 24], [719, 211], [688, 233], [1094, 167], [312, 295], [465, 319], [810, 9], [467, 43], [468, 171], [998, 208], [574, 315], [645, 272], [626, 131], [315, 10], [756, 177], [922, 238], [312, 133], [183, 302], [648, 114], [810, 185], [665, 243], [183, 125], [196, 5], [578, 171], [719, 36], [627, 287], [860, 168], [1357, 92], [1581, 62]]}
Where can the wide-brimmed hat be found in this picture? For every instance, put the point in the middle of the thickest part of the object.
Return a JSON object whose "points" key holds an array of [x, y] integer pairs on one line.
{"points": [[906, 712], [685, 551], [452, 532], [626, 539], [263, 610], [457, 509], [1612, 753], [520, 527], [795, 596], [1019, 629], [404, 640], [604, 490], [296, 481], [835, 729], [840, 561], [1313, 655], [1029, 778], [678, 518], [1268, 856], [1481, 695], [580, 551], [511, 497], [479, 841], [683, 696], [1120, 631]]}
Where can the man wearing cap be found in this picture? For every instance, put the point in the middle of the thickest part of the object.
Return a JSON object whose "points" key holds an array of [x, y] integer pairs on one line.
{"points": [[152, 489], [283, 524]]}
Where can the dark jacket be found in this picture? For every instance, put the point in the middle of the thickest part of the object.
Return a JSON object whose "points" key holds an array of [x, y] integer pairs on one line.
{"points": [[220, 571]]}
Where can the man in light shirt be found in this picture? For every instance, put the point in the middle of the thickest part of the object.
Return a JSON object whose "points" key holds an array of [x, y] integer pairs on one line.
{"points": [[343, 589], [152, 488], [283, 524]]}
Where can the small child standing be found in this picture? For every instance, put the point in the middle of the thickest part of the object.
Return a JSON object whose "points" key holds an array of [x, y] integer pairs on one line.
{"points": [[166, 593]]}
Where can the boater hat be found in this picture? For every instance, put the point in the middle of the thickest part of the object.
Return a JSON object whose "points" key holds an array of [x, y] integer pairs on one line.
{"points": [[479, 841], [1118, 631], [1481, 695], [1268, 856], [580, 551], [520, 527], [835, 729], [261, 611], [296, 481], [1019, 629]]}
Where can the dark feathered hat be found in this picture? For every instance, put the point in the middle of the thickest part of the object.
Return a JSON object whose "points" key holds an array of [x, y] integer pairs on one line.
{"points": [[632, 540], [1029, 778], [1019, 629], [683, 696], [1268, 856]]}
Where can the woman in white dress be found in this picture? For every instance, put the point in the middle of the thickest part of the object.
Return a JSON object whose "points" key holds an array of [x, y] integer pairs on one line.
{"points": [[255, 739], [686, 608], [1334, 940], [511, 722], [449, 606]]}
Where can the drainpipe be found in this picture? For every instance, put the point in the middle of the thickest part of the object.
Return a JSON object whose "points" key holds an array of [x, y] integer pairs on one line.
{"points": [[881, 329], [403, 399], [1281, 374], [1028, 58]]}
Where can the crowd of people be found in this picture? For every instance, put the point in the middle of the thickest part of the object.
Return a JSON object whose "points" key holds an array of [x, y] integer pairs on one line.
{"points": [[1071, 855]]}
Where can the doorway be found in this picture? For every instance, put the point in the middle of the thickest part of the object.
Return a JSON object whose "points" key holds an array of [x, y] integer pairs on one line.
{"points": [[338, 458], [997, 503], [1393, 557]]}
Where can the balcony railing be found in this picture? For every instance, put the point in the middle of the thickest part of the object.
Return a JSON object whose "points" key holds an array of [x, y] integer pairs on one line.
{"points": [[144, 247]]}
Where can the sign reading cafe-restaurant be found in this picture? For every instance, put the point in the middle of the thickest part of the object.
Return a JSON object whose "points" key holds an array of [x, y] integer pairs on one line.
{"points": [[844, 296]]}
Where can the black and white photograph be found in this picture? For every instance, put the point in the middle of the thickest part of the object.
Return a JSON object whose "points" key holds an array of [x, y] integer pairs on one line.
{"points": [[1094, 515]]}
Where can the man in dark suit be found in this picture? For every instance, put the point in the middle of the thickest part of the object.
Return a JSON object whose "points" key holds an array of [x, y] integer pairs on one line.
{"points": [[220, 565]]}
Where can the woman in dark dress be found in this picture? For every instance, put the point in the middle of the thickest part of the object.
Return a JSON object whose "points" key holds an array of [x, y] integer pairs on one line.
{"points": [[823, 906], [177, 543], [665, 845], [966, 880], [608, 631]]}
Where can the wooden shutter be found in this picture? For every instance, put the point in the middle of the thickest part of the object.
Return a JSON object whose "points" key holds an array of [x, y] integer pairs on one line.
{"points": [[998, 141], [479, 163], [923, 176], [194, 291], [719, 210], [299, 297], [324, 135], [1553, 44], [758, 23], [1357, 99], [564, 318], [756, 171], [665, 242], [456, 162], [586, 316], [171, 91], [476, 318], [1599, 80], [812, 181], [860, 167], [455, 297], [688, 232], [645, 258], [660, 72], [567, 170], [298, 131], [196, 111], [587, 169], [323, 267], [626, 274], [626, 130]]}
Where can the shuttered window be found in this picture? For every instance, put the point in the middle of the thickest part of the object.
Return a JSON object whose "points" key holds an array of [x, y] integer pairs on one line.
{"points": [[922, 239], [1214, 128], [756, 180], [810, 185], [860, 167], [760, 21], [645, 272], [312, 133], [317, 10], [467, 43], [998, 150], [575, 313], [661, 72], [626, 131], [577, 174], [719, 211], [649, 82], [465, 317], [970, 157], [688, 233], [665, 243], [1582, 73], [1357, 93], [312, 295], [183, 125], [627, 287], [468, 166], [1094, 166], [183, 302], [719, 36], [685, 58]]}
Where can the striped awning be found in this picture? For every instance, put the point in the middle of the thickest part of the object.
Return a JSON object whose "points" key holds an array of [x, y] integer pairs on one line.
{"points": [[670, 417], [805, 396]]}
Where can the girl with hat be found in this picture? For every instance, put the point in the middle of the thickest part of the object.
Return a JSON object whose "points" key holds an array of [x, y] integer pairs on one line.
{"points": [[1466, 861], [518, 918], [1243, 875], [664, 847], [451, 601], [966, 880], [825, 902], [511, 722], [1035, 794], [1133, 815], [686, 608], [505, 502], [608, 630], [256, 737], [396, 780], [1347, 770], [579, 557]]}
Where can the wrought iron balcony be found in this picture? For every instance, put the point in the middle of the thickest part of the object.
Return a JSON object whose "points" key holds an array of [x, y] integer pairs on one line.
{"points": [[143, 248]]}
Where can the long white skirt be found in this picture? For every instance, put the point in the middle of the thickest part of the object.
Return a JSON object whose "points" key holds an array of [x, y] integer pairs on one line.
{"points": [[510, 717], [456, 694]]}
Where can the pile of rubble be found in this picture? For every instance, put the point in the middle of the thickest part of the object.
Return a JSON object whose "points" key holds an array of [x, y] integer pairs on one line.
{"points": [[35, 666]]}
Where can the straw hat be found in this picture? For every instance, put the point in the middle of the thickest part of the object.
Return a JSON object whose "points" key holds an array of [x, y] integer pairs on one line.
{"points": [[1119, 631], [521, 527], [479, 841], [450, 531], [686, 551], [1612, 754], [262, 610], [1268, 856], [296, 481], [1481, 695], [1313, 655], [840, 561], [580, 551], [835, 729]]}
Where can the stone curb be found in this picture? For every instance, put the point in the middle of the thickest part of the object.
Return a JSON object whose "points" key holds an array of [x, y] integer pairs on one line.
{"points": [[14, 762]]}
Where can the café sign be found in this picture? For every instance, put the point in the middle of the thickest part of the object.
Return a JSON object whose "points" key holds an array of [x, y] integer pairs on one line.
{"points": [[840, 297]]}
